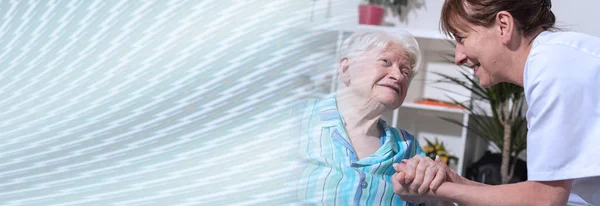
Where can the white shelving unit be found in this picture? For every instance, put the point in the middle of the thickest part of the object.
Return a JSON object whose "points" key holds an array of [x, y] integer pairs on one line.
{"points": [[424, 121], [432, 108]]}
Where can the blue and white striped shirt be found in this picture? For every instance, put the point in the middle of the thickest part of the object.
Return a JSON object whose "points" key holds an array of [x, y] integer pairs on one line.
{"points": [[332, 173]]}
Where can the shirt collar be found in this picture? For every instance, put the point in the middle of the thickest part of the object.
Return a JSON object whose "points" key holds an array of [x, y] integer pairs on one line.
{"points": [[328, 112], [386, 151], [391, 139]]}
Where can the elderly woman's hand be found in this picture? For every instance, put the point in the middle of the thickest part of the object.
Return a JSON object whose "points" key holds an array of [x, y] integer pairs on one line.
{"points": [[418, 176], [404, 191]]}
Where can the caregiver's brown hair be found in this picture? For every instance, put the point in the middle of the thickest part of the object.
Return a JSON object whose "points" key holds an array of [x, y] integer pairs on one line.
{"points": [[529, 15]]}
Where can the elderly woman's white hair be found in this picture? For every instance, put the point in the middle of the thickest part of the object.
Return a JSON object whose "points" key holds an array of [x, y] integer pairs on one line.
{"points": [[366, 40]]}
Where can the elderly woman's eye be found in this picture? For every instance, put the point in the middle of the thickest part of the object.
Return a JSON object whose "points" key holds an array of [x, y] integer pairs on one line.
{"points": [[405, 72], [385, 62]]}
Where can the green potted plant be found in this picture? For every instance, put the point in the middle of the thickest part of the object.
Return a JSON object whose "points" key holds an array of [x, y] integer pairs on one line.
{"points": [[507, 126], [371, 12]]}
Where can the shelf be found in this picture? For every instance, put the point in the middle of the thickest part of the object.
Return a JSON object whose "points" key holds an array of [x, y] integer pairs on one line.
{"points": [[410, 105], [432, 108]]}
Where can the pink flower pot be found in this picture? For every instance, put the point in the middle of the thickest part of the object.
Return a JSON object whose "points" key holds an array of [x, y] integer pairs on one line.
{"points": [[370, 14]]}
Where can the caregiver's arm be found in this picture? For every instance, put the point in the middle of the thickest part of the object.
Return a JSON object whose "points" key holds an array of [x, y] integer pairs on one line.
{"points": [[466, 192], [524, 193]]}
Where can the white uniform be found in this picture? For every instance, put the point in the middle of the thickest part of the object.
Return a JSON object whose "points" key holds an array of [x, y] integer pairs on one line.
{"points": [[562, 88]]}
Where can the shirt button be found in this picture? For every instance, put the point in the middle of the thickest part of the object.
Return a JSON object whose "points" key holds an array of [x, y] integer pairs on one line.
{"points": [[364, 184]]}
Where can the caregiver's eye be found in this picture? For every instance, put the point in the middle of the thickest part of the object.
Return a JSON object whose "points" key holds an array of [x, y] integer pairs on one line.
{"points": [[459, 39]]}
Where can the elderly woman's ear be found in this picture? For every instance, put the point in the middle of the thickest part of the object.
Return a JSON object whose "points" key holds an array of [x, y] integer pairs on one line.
{"points": [[343, 70]]}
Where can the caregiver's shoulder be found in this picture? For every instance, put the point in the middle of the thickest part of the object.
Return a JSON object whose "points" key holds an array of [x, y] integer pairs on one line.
{"points": [[573, 41], [560, 55]]}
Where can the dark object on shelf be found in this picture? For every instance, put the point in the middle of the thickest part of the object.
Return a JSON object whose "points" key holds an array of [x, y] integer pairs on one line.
{"points": [[487, 170]]}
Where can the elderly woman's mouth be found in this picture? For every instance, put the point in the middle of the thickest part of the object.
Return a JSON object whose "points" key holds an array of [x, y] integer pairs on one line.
{"points": [[391, 86]]}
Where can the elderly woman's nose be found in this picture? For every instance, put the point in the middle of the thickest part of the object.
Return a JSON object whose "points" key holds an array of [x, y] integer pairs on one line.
{"points": [[395, 74]]}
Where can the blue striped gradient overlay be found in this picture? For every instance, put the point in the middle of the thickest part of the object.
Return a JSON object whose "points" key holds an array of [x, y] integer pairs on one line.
{"points": [[153, 102]]}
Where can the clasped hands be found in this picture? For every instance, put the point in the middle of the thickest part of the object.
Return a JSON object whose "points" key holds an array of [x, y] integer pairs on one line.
{"points": [[417, 179]]}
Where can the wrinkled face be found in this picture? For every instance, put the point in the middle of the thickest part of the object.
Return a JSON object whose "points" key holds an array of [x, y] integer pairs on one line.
{"points": [[481, 49], [379, 76]]}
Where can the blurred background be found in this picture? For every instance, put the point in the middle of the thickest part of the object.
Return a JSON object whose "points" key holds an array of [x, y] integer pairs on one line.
{"points": [[186, 102]]}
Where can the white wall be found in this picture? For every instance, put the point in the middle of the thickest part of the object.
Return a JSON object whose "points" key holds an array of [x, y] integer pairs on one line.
{"points": [[420, 14], [578, 15], [575, 15]]}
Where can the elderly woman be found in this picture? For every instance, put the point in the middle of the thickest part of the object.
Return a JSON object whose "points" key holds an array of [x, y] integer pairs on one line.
{"points": [[347, 149]]}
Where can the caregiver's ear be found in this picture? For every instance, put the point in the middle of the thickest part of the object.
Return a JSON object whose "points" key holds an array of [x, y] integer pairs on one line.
{"points": [[343, 66], [506, 26]]}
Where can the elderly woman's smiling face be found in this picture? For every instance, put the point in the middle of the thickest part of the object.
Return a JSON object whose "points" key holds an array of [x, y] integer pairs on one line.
{"points": [[378, 75]]}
